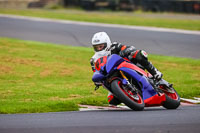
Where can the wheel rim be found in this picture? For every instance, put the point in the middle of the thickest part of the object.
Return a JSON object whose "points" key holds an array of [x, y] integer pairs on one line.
{"points": [[169, 94], [131, 95], [172, 95]]}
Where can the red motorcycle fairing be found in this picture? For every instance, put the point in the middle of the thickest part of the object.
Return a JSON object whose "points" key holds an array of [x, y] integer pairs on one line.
{"points": [[155, 100]]}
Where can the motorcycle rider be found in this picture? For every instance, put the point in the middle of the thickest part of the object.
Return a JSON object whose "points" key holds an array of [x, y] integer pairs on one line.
{"points": [[103, 47]]}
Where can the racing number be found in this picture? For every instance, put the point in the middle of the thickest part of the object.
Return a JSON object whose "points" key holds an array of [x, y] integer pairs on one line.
{"points": [[100, 62]]}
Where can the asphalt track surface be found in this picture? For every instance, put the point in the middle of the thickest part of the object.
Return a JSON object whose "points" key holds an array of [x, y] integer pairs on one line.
{"points": [[163, 42], [185, 119]]}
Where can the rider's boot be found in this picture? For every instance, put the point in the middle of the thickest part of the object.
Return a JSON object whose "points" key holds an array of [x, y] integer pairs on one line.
{"points": [[153, 71]]}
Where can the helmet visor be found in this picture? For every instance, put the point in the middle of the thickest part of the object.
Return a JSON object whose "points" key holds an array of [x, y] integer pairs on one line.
{"points": [[99, 47]]}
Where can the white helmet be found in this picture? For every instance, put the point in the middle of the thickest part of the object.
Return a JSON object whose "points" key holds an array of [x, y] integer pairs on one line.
{"points": [[101, 42]]}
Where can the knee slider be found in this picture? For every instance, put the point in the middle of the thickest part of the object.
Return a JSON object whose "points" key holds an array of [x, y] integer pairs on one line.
{"points": [[144, 54]]}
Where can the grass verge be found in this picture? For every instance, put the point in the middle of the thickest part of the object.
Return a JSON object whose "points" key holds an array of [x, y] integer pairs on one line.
{"points": [[166, 20], [42, 77]]}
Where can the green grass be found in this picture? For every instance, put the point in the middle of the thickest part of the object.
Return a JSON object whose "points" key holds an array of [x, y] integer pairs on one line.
{"points": [[42, 77], [166, 20]]}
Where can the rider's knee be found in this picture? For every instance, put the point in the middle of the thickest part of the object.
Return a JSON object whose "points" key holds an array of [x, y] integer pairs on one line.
{"points": [[139, 56]]}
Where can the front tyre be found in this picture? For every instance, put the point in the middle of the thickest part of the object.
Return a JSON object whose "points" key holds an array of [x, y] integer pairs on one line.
{"points": [[133, 101]]}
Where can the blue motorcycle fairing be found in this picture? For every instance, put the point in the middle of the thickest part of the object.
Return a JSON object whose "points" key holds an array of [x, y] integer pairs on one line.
{"points": [[113, 61], [147, 88], [97, 76]]}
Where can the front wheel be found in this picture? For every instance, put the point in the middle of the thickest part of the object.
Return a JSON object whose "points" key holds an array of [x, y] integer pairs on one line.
{"points": [[133, 101]]}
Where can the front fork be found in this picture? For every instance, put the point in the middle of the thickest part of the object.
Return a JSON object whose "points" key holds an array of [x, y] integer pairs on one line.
{"points": [[125, 82], [128, 85]]}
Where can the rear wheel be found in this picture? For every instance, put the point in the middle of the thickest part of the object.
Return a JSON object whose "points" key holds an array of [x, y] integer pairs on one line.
{"points": [[172, 98], [133, 101]]}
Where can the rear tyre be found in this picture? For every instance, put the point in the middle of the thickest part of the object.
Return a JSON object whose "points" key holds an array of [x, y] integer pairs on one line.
{"points": [[127, 97], [172, 100]]}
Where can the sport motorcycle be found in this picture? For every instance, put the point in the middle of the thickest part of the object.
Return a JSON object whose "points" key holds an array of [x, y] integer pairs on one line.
{"points": [[132, 85]]}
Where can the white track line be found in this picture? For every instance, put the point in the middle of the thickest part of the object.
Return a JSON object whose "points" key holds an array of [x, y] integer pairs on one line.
{"points": [[120, 107], [104, 25], [193, 101]]}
